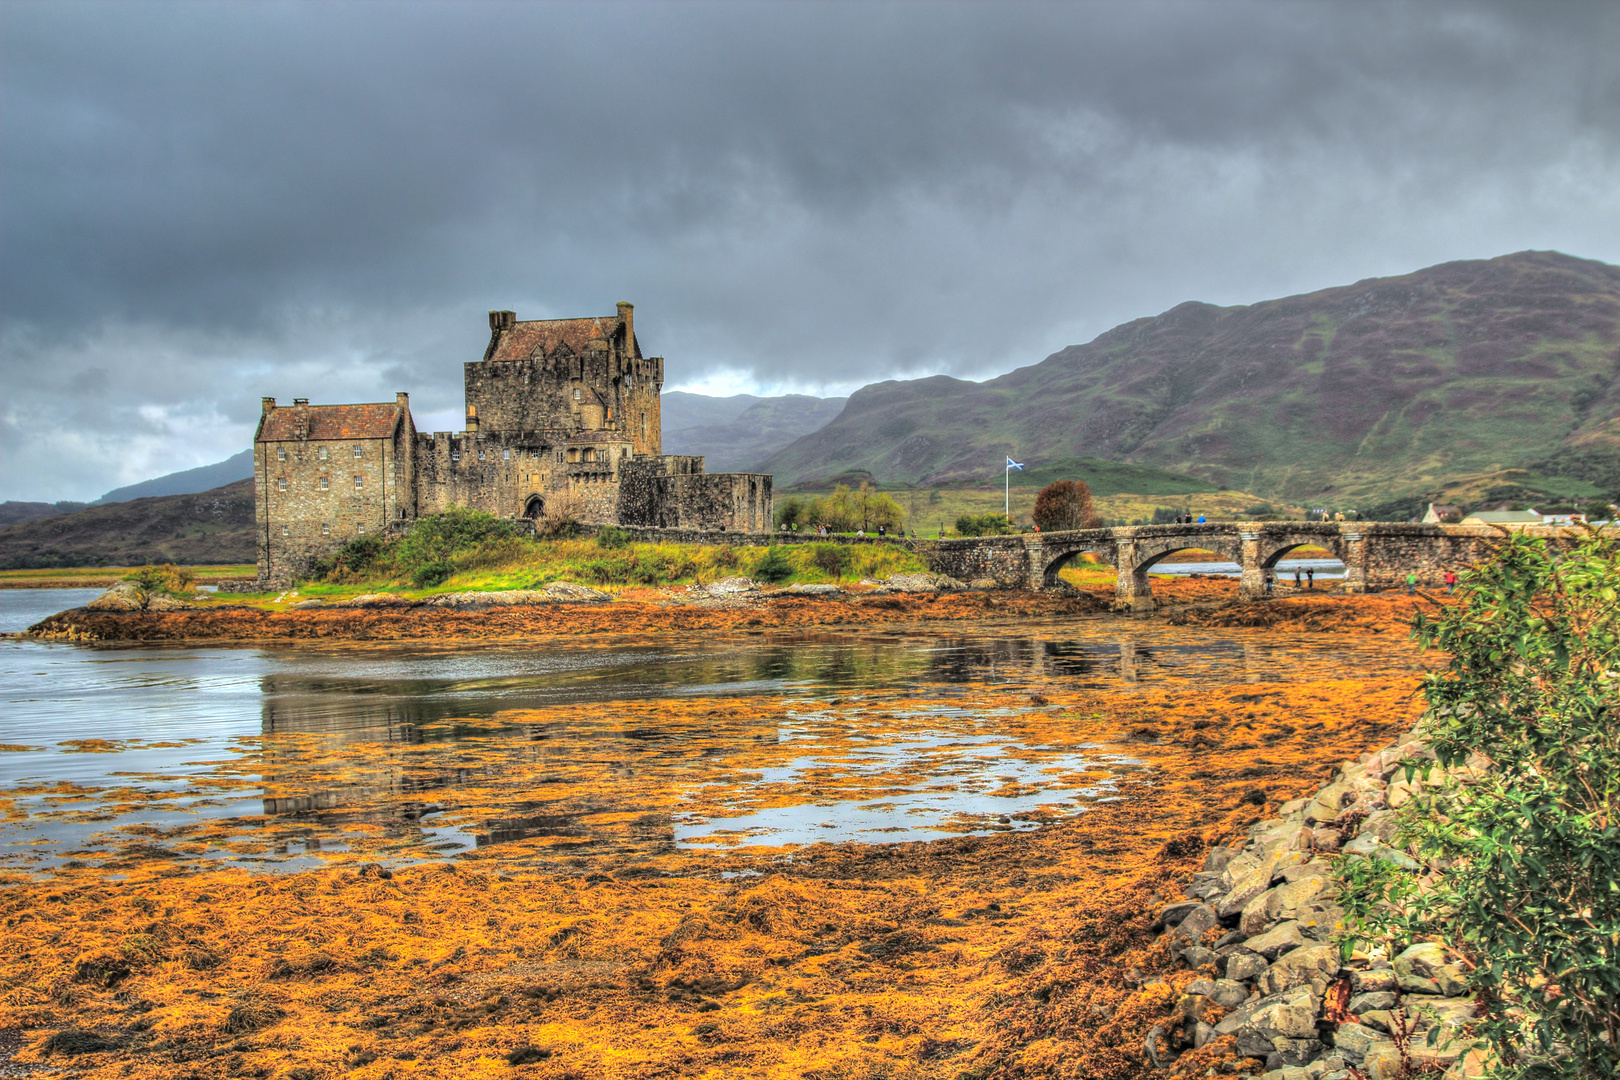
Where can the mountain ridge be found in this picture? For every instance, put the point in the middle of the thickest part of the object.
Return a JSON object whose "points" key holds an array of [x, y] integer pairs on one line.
{"points": [[1385, 386]]}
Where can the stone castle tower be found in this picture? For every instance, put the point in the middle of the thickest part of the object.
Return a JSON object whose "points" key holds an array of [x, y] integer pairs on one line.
{"points": [[563, 417]]}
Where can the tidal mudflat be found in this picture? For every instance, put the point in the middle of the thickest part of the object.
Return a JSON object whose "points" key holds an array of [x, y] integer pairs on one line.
{"points": [[877, 851]]}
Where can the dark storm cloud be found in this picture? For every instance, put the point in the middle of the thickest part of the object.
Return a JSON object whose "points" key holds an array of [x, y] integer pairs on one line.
{"points": [[203, 203]]}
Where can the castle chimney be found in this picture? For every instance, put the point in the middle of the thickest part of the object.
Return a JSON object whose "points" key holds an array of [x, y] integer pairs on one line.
{"points": [[403, 400], [502, 320], [627, 314], [301, 418], [472, 420], [269, 405]]}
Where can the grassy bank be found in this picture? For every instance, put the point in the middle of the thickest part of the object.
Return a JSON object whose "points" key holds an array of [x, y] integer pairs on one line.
{"points": [[92, 577]]}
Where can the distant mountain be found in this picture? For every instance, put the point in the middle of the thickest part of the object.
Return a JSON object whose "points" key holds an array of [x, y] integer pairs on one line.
{"points": [[735, 434], [1370, 391], [188, 482], [208, 527], [11, 512]]}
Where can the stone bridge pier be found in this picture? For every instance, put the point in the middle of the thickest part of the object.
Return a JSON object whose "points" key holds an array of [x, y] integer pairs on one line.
{"points": [[1375, 555]]}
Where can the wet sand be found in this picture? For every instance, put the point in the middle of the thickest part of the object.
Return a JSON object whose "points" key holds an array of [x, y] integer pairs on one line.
{"points": [[1021, 953]]}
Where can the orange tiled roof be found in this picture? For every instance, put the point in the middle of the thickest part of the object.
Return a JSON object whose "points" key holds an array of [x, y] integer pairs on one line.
{"points": [[332, 422], [520, 342]]}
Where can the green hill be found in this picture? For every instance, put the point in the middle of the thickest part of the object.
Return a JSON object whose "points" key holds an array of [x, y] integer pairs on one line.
{"points": [[213, 527], [1383, 389]]}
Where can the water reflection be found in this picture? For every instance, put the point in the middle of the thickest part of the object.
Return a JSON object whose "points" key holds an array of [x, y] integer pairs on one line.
{"points": [[283, 757]]}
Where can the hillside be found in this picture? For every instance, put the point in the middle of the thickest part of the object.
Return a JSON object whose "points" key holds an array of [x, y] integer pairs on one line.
{"points": [[210, 527], [187, 481], [736, 433], [11, 511], [1385, 388]]}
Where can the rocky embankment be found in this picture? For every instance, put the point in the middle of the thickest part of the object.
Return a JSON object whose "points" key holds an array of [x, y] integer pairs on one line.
{"points": [[1259, 920]]}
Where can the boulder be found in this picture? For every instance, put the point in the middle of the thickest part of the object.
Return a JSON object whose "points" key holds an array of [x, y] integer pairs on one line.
{"points": [[1195, 924], [1173, 913], [1329, 802], [1287, 1072], [1245, 965], [164, 602], [1197, 956], [923, 583], [1251, 885], [1283, 938], [1295, 1052], [1311, 966], [578, 594], [1289, 901], [1376, 980], [1291, 1016], [1229, 994], [1218, 858], [1421, 968], [1356, 1041], [1378, 999], [801, 589], [124, 596]]}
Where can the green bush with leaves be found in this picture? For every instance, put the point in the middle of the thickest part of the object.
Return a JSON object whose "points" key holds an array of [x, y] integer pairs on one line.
{"points": [[831, 559], [983, 525], [611, 536], [774, 566], [167, 578], [1526, 851]]}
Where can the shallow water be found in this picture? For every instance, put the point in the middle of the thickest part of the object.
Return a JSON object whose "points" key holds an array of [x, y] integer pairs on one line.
{"points": [[578, 755], [22, 608]]}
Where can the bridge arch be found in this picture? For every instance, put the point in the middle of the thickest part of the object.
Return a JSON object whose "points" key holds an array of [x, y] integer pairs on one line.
{"points": [[1060, 555], [1274, 547]]}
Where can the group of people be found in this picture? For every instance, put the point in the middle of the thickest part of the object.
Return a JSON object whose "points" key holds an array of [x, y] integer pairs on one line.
{"points": [[1187, 519]]}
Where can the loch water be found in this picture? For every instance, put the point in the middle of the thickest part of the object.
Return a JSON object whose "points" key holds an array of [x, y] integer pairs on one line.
{"points": [[577, 753]]}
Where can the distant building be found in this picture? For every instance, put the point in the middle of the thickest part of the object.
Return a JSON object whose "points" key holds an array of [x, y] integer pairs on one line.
{"points": [[1443, 512], [561, 414], [1508, 518]]}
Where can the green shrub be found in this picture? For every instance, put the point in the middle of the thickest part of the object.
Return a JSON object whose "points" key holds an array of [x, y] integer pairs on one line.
{"points": [[167, 578], [831, 559], [1527, 853], [774, 566], [611, 536], [983, 525], [432, 573]]}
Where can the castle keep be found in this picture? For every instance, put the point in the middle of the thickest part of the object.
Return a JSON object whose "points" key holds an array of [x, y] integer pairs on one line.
{"points": [[562, 418]]}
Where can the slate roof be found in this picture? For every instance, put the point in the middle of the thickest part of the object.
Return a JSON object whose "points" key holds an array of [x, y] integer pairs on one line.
{"points": [[1502, 517], [521, 342], [375, 421]]}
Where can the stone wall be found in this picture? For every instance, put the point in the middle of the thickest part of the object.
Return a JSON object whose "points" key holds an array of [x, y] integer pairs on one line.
{"points": [[314, 496], [1002, 559]]}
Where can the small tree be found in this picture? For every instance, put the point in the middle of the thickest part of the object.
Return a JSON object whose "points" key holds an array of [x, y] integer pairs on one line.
{"points": [[1065, 505], [983, 525], [789, 512], [1526, 853]]}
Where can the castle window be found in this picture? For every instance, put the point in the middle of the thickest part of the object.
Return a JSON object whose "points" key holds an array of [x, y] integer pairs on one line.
{"points": [[559, 457], [284, 530], [359, 481], [323, 453], [281, 453], [326, 482], [281, 483], [357, 452], [360, 528], [576, 393], [506, 455], [326, 529], [480, 455], [455, 455]]}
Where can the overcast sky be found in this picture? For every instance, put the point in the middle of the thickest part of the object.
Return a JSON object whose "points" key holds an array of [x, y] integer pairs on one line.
{"points": [[201, 204]]}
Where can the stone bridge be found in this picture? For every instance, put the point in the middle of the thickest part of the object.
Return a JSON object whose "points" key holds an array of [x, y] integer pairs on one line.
{"points": [[1376, 555]]}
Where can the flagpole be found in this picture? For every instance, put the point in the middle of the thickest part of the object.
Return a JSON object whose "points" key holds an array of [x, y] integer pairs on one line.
{"points": [[1007, 492]]}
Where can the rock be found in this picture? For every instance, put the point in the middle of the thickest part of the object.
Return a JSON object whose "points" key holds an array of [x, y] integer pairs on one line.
{"points": [[1328, 1063], [1378, 999], [1206, 885], [1218, 858], [1284, 902], [1383, 1063], [1229, 993], [1377, 980], [1370, 846], [984, 583], [801, 589], [1195, 924], [1328, 803], [124, 596], [1157, 1048], [1250, 886], [1201, 987], [1174, 913], [1202, 1033], [164, 602], [1292, 807], [1419, 968], [374, 600], [1311, 966], [1287, 1072], [1274, 943], [1380, 824], [1301, 871], [1378, 1019], [1291, 1017], [1325, 839], [1244, 965], [1238, 868], [307, 605], [1448, 1013], [1356, 1041], [1292, 1052], [579, 594], [731, 586], [1197, 956], [918, 583]]}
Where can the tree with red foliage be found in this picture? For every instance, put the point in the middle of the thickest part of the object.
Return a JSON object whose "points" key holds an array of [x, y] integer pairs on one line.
{"points": [[1065, 505]]}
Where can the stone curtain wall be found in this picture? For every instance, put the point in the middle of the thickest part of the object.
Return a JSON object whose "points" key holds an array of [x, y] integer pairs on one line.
{"points": [[1002, 559]]}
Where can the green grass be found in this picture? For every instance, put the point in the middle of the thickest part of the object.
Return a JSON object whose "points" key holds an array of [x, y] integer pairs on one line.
{"points": [[1110, 477]]}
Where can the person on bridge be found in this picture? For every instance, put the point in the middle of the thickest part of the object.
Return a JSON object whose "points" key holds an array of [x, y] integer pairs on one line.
{"points": [[1451, 581], [1411, 583]]}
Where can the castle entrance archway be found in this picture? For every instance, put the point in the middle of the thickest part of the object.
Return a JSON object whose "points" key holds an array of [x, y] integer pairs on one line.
{"points": [[534, 508]]}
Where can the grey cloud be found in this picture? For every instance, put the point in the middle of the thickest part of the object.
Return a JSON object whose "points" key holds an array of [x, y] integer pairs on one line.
{"points": [[206, 202]]}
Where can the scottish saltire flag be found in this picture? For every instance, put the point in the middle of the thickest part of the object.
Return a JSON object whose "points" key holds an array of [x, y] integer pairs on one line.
{"points": [[1011, 464]]}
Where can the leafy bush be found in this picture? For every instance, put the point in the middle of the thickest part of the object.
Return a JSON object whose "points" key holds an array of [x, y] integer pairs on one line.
{"points": [[831, 559], [983, 525], [1065, 504], [775, 566], [432, 573], [167, 578], [1527, 853], [611, 536], [846, 510]]}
